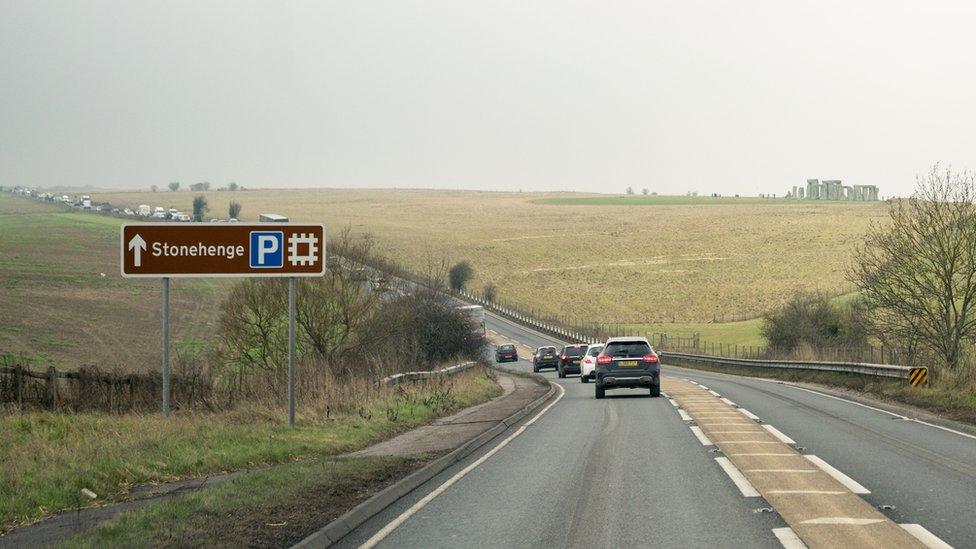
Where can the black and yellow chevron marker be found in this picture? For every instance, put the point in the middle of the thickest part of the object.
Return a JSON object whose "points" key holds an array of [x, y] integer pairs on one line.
{"points": [[918, 376]]}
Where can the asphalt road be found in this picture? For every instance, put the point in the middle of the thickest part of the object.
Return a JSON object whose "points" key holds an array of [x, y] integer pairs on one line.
{"points": [[627, 471]]}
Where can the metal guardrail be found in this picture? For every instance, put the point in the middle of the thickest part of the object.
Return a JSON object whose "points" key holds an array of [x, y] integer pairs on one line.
{"points": [[879, 370], [417, 376]]}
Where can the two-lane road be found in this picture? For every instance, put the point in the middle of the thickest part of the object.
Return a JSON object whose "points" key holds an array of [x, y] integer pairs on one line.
{"points": [[628, 471]]}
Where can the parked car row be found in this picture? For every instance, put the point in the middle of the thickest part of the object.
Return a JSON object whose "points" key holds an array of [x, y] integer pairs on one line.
{"points": [[620, 363]]}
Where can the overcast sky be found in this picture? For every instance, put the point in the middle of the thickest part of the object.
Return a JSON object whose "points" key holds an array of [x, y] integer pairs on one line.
{"points": [[731, 97]]}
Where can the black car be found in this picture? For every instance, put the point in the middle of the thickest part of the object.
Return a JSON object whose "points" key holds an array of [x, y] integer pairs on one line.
{"points": [[506, 352], [628, 362], [545, 357], [570, 358]]}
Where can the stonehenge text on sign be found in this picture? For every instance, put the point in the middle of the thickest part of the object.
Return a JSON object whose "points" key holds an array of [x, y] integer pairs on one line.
{"points": [[155, 250]]}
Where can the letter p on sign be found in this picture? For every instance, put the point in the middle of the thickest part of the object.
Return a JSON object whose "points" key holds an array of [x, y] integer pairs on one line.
{"points": [[267, 249]]}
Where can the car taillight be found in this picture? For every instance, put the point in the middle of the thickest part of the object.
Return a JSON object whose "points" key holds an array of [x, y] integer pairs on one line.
{"points": [[652, 358], [564, 357], [604, 359]]}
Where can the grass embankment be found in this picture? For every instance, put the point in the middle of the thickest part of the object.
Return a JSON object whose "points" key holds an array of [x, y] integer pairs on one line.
{"points": [[274, 508], [63, 302], [946, 399], [48, 458], [571, 255]]}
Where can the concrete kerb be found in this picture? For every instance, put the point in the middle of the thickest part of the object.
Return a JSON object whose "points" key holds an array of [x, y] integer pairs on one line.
{"points": [[358, 515]]}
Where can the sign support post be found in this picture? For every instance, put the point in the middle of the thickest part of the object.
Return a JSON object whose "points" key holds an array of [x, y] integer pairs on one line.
{"points": [[165, 346], [291, 351], [260, 250]]}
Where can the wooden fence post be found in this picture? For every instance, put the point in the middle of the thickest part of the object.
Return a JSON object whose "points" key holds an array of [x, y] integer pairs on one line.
{"points": [[52, 387], [19, 384]]}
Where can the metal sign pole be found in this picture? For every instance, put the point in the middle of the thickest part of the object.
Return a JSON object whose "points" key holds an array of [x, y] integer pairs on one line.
{"points": [[166, 346], [291, 351]]}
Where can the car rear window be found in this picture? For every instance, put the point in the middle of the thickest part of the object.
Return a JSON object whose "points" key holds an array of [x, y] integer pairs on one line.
{"points": [[627, 349], [594, 351], [506, 348], [573, 351], [544, 350]]}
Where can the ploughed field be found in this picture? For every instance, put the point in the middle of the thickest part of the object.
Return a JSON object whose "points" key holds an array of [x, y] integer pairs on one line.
{"points": [[648, 261]]}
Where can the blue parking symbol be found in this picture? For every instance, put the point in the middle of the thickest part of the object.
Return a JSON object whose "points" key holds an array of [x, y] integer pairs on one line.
{"points": [[267, 249]]}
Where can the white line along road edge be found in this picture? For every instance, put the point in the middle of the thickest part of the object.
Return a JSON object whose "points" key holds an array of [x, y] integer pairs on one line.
{"points": [[386, 530], [788, 538], [927, 538]]}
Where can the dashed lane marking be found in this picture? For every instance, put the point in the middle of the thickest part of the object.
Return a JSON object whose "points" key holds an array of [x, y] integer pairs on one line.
{"points": [[748, 414], [788, 538], [729, 402], [818, 492], [782, 471], [740, 481], [684, 415], [847, 481], [778, 434], [701, 436], [927, 538], [673, 403]]}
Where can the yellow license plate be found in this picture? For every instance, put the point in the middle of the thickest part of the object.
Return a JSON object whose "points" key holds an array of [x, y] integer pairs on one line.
{"points": [[627, 363], [547, 356]]}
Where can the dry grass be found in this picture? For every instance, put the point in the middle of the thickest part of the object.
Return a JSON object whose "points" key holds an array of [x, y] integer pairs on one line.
{"points": [[690, 262], [48, 458]]}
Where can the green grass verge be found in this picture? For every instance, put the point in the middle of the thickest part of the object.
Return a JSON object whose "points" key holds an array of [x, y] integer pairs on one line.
{"points": [[273, 508], [950, 403], [48, 458]]}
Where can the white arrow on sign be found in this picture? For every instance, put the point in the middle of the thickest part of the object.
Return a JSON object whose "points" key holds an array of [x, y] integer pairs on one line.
{"points": [[137, 245]]}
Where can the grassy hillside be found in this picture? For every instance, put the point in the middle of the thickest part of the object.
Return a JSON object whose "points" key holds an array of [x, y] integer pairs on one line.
{"points": [[670, 260], [64, 302]]}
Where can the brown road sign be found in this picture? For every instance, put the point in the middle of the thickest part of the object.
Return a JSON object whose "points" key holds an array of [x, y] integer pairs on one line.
{"points": [[918, 376], [155, 250]]}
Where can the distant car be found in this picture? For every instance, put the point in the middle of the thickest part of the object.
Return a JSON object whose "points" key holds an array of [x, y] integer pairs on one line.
{"points": [[127, 211], [588, 364], [627, 362], [506, 352], [159, 215], [569, 359], [545, 357], [184, 217], [233, 220]]}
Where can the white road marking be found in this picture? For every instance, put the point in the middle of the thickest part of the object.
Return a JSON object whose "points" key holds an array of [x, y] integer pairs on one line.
{"points": [[665, 395], [701, 436], [748, 414], [847, 481], [727, 401], [673, 403], [714, 393], [750, 432], [927, 538], [842, 520], [749, 442], [906, 418], [740, 481], [781, 471], [788, 538], [716, 416], [386, 530], [820, 492], [684, 415], [778, 434], [767, 454], [703, 387]]}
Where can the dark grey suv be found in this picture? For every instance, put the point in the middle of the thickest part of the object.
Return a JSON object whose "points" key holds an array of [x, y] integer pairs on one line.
{"points": [[627, 362]]}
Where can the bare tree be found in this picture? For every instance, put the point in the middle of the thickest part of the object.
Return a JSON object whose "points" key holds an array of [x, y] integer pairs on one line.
{"points": [[917, 273], [234, 209]]}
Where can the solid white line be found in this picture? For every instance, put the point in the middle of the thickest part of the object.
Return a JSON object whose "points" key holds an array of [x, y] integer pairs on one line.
{"points": [[821, 492], [665, 395], [750, 432], [684, 415], [842, 520], [748, 414], [737, 477], [788, 538], [673, 403], [847, 481], [906, 418], [727, 401], [778, 434], [701, 436], [703, 387], [386, 530], [714, 393], [927, 538]]}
